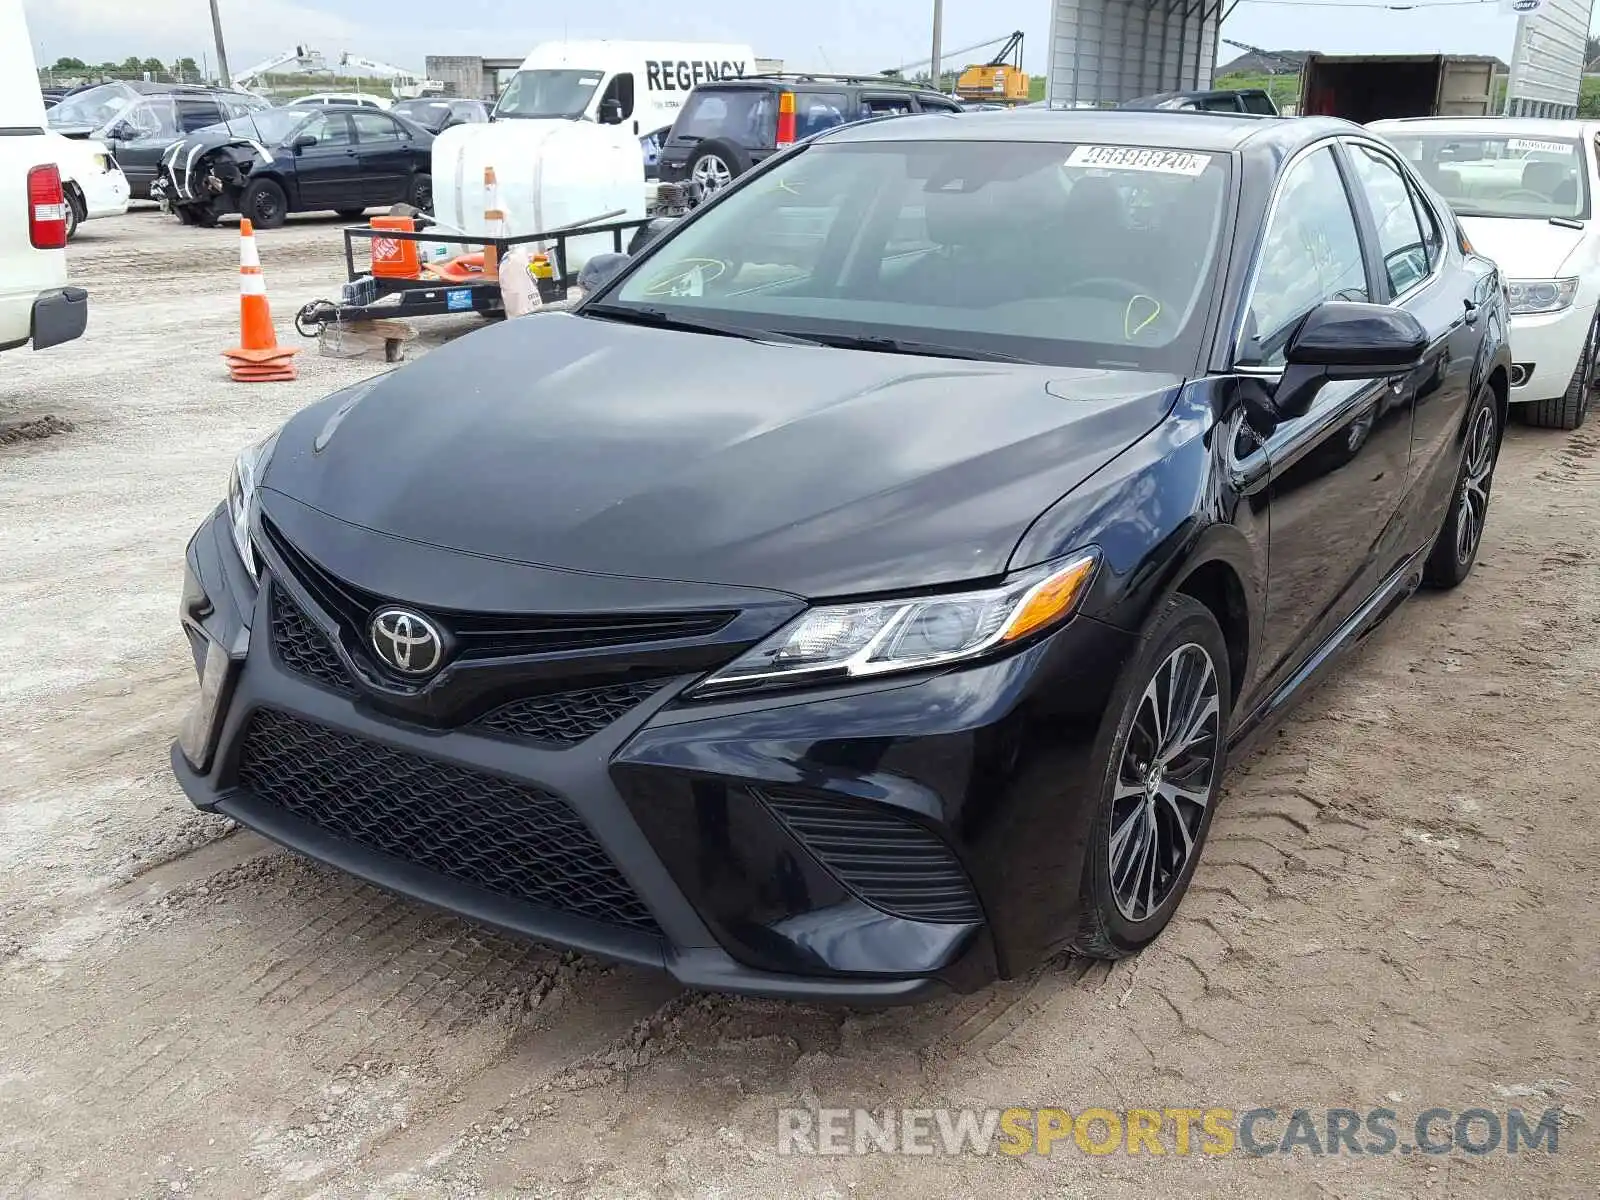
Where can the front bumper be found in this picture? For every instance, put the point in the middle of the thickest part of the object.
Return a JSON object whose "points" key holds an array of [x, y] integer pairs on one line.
{"points": [[1551, 342], [105, 193], [742, 828]]}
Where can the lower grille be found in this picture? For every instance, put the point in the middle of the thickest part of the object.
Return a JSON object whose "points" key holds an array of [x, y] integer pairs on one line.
{"points": [[302, 647], [887, 860], [567, 718], [514, 840]]}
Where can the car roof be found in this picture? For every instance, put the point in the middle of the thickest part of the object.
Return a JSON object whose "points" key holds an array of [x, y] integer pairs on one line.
{"points": [[808, 79], [1203, 131], [1492, 126]]}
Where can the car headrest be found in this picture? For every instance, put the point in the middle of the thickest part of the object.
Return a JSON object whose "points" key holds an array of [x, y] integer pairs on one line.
{"points": [[1447, 181], [1543, 177]]}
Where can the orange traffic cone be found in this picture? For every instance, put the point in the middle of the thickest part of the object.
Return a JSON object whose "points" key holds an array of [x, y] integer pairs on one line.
{"points": [[257, 358], [495, 218]]}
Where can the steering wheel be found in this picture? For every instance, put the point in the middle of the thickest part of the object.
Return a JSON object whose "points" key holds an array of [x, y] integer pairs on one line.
{"points": [[1110, 285], [1525, 194]]}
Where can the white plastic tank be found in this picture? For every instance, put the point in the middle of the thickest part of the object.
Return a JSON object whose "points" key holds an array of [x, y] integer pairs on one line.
{"points": [[549, 173]]}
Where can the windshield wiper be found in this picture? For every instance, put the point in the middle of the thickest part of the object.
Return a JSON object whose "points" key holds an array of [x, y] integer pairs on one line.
{"points": [[1567, 222], [664, 320], [891, 345]]}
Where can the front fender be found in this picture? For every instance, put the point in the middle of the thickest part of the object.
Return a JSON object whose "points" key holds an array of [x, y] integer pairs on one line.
{"points": [[1158, 512]]}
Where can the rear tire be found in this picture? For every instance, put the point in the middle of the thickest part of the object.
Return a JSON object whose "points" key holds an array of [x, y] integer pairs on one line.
{"points": [[1161, 753], [714, 165], [265, 204], [1456, 549], [1568, 410], [75, 211]]}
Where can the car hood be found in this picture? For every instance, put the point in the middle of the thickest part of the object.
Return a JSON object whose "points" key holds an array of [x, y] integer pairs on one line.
{"points": [[1523, 247], [595, 446]]}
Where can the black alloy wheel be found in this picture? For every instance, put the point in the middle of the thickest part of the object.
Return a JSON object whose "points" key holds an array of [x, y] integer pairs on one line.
{"points": [[1456, 549], [1163, 751]]}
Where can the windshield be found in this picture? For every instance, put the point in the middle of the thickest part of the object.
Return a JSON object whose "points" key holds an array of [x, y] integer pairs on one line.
{"points": [[562, 94], [94, 108], [270, 126], [1073, 255], [1502, 176]]}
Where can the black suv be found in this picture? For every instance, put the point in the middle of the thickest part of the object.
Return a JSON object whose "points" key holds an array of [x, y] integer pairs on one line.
{"points": [[728, 125], [137, 120]]}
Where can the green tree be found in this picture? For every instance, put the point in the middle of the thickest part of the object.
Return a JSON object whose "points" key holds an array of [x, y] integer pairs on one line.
{"points": [[186, 69], [155, 66], [132, 65], [70, 64]]}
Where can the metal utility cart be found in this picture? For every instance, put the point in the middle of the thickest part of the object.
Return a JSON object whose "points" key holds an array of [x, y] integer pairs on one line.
{"points": [[369, 297]]}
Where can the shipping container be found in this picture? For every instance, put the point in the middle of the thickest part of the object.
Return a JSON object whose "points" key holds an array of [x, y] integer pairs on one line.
{"points": [[1376, 87]]}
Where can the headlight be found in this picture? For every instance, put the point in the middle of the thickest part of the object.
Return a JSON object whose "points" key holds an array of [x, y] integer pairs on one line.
{"points": [[247, 469], [848, 641], [1542, 295]]}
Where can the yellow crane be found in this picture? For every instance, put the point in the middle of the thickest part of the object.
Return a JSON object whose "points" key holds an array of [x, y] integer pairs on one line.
{"points": [[1001, 79]]}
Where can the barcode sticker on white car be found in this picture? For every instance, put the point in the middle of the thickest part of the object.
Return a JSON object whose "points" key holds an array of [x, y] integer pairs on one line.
{"points": [[1531, 146], [1131, 158]]}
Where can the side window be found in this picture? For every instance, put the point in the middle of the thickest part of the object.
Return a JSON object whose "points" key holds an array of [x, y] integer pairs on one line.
{"points": [[332, 129], [1432, 231], [1388, 196], [620, 89], [1220, 104], [372, 128], [1310, 253], [816, 111], [933, 104], [1258, 102], [197, 114], [885, 106], [154, 118], [237, 108]]}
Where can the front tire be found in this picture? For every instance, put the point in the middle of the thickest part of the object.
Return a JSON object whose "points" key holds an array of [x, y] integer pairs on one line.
{"points": [[1568, 410], [1456, 549], [1161, 756], [265, 203], [421, 197]]}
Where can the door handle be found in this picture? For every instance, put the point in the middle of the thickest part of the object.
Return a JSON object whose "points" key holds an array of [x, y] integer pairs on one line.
{"points": [[1472, 311]]}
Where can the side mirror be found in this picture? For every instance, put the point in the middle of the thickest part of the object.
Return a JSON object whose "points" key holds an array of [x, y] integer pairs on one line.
{"points": [[611, 112], [599, 270], [303, 142], [122, 131], [1342, 339]]}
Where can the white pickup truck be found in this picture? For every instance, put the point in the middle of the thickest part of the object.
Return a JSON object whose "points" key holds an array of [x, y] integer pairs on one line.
{"points": [[36, 305]]}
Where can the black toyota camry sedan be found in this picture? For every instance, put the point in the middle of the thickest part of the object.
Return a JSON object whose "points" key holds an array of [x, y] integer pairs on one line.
{"points": [[865, 589]]}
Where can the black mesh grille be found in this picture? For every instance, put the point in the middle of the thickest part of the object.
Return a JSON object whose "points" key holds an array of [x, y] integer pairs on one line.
{"points": [[567, 718], [512, 839], [887, 860], [302, 647]]}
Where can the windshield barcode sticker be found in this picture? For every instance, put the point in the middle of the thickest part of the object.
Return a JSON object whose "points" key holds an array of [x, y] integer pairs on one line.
{"points": [[1530, 146], [1129, 158]]}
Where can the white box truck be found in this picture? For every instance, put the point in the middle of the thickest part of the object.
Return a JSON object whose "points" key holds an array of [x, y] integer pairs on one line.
{"points": [[566, 137], [36, 305]]}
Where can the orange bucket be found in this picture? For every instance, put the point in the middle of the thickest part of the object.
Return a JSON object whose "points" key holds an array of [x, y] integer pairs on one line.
{"points": [[395, 258]]}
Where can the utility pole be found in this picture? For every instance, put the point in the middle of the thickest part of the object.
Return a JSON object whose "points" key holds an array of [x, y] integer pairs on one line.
{"points": [[222, 54], [934, 72]]}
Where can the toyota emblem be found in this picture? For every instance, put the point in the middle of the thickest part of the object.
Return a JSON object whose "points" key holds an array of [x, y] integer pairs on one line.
{"points": [[406, 641]]}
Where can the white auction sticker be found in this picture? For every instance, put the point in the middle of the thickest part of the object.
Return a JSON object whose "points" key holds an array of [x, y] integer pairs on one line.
{"points": [[1530, 146], [1131, 158]]}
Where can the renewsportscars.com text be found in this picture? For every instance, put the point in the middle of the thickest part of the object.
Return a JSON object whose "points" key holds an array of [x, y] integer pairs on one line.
{"points": [[1211, 1131]]}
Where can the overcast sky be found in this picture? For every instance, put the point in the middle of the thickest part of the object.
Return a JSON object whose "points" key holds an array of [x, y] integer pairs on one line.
{"points": [[839, 35]]}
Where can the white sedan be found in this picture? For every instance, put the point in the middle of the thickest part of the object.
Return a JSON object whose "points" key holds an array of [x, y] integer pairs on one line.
{"points": [[95, 185], [1526, 192]]}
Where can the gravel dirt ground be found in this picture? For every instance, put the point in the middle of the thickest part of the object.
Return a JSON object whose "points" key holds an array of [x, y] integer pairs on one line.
{"points": [[1398, 904]]}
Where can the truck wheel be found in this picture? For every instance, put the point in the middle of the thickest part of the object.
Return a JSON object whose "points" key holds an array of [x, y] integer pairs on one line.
{"points": [[265, 204], [1568, 410], [715, 164]]}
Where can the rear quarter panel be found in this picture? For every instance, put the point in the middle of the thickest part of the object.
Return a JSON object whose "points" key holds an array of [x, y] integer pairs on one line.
{"points": [[24, 271]]}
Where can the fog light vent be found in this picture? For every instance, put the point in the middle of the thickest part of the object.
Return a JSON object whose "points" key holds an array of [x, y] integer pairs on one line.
{"points": [[888, 860], [1521, 373]]}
